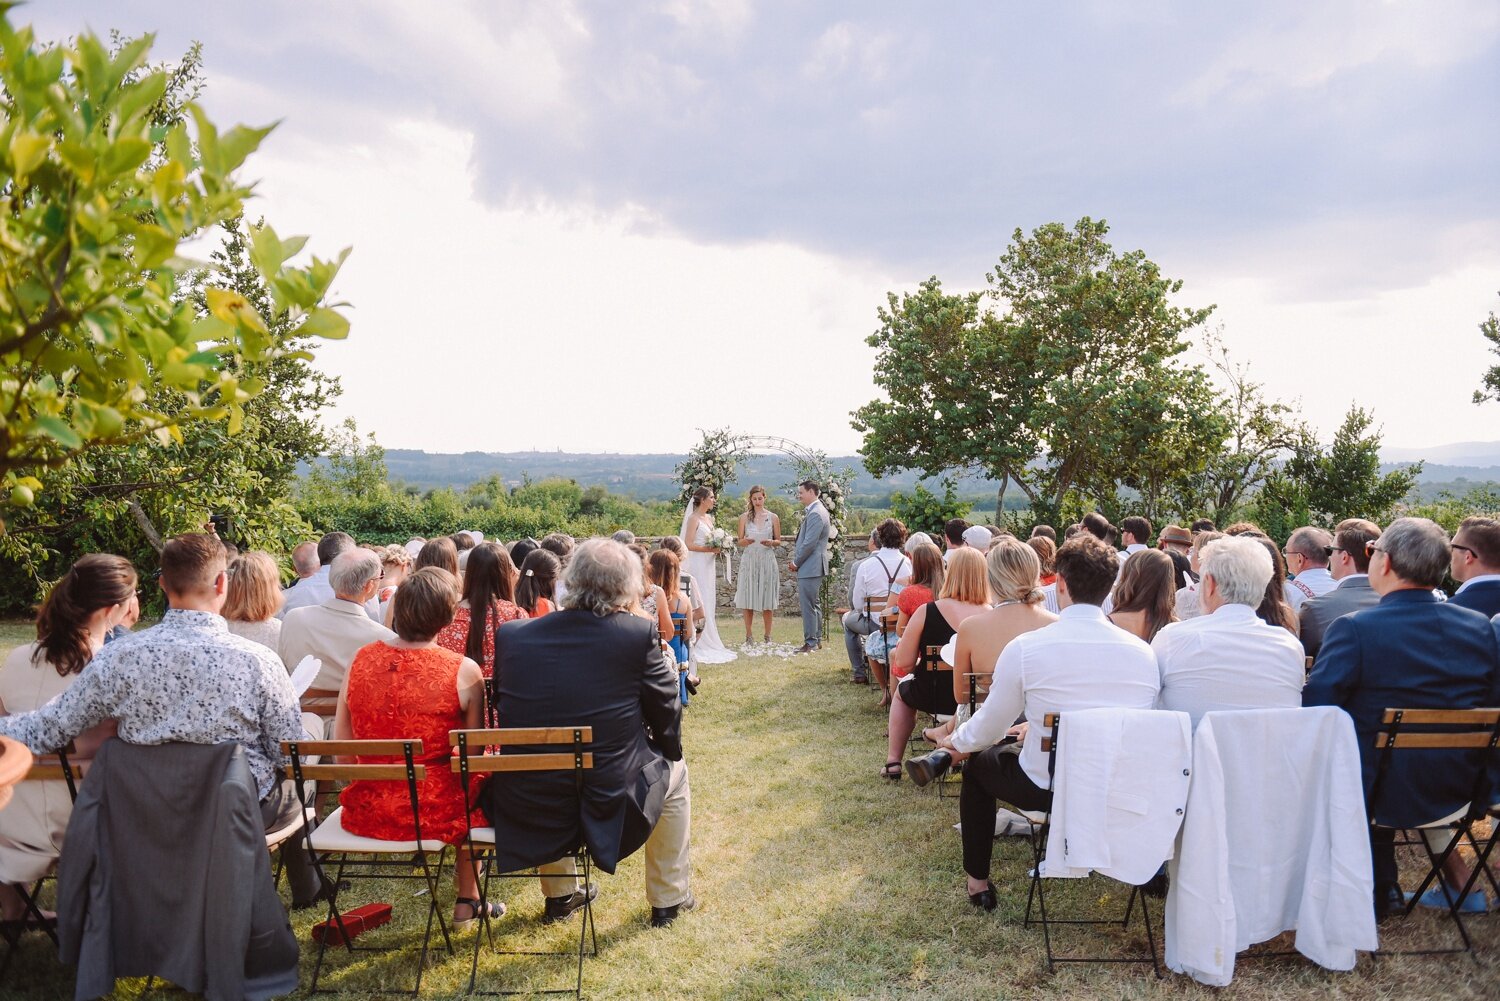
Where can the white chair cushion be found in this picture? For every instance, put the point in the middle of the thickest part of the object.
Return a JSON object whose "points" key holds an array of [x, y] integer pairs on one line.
{"points": [[330, 836], [283, 834], [483, 835]]}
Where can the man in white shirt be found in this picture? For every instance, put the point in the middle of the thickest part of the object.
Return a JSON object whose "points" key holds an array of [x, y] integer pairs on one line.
{"points": [[1349, 565], [1228, 658], [336, 630], [874, 577], [953, 536], [316, 589], [304, 561], [1135, 533], [1081, 661], [1306, 555]]}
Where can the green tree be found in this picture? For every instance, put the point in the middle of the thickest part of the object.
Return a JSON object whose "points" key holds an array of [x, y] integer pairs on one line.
{"points": [[1327, 485], [1490, 389], [99, 186], [1071, 391], [925, 511]]}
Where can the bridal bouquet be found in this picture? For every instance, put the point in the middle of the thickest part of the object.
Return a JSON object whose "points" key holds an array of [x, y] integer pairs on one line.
{"points": [[720, 539]]}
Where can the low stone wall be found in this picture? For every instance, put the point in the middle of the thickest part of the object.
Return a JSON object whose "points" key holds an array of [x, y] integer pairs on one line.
{"points": [[788, 605]]}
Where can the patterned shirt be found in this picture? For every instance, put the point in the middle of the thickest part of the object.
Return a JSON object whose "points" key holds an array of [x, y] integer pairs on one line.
{"points": [[188, 679]]}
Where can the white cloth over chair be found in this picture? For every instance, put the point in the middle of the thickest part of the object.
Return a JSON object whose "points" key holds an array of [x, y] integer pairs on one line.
{"points": [[1118, 792], [1275, 838], [330, 836]]}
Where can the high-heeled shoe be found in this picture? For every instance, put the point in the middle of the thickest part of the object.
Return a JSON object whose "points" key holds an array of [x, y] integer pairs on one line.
{"points": [[985, 899], [929, 766]]}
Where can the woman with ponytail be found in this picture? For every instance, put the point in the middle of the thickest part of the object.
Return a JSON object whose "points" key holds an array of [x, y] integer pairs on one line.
{"points": [[489, 592], [91, 599], [538, 580]]}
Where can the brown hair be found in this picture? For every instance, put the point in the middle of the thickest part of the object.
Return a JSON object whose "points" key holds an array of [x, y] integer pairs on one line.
{"points": [[254, 588], [966, 579], [1088, 566], [1046, 552], [673, 545], [927, 567], [441, 553], [700, 495], [1148, 584], [1244, 528], [191, 562], [488, 578], [1351, 536], [1274, 607], [462, 541], [750, 502], [538, 579], [424, 604], [662, 570], [891, 534], [98, 580], [1483, 536]]}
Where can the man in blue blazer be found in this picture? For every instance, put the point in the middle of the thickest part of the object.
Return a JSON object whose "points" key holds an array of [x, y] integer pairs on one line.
{"points": [[1410, 651], [1476, 565]]}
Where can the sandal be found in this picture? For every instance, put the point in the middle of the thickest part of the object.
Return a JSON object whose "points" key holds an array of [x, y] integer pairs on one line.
{"points": [[927, 734], [495, 908], [892, 771]]}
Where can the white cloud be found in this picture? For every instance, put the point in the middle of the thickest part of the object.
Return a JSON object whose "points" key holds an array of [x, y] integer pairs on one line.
{"points": [[1307, 45]]}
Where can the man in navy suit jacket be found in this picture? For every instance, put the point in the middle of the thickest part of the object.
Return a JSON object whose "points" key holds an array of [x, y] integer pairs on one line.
{"points": [[1476, 563], [1410, 651]]}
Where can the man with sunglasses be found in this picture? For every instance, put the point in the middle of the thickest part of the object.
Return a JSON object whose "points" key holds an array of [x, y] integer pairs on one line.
{"points": [[1348, 564], [1476, 565], [1410, 651]]}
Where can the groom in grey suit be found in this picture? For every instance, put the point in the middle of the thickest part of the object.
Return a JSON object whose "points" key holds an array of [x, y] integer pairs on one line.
{"points": [[810, 563]]}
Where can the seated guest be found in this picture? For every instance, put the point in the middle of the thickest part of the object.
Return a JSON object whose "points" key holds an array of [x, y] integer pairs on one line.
{"points": [[1013, 571], [1135, 533], [561, 545], [316, 589], [489, 591], [1175, 539], [522, 548], [1145, 596], [624, 537], [305, 561], [924, 583], [1275, 607], [1081, 661], [1046, 553], [1307, 559], [661, 571], [395, 564], [90, 600], [1347, 564], [965, 593], [407, 687], [1187, 595], [1244, 528], [537, 584], [190, 680], [440, 553], [1044, 532], [1203, 525], [978, 537], [595, 664], [1099, 527], [1228, 657], [953, 535], [336, 630], [463, 542], [875, 577], [1410, 651], [673, 545], [1476, 565], [254, 599]]}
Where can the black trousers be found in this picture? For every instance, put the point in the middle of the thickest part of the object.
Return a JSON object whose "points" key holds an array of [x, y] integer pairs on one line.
{"points": [[279, 808], [992, 774]]}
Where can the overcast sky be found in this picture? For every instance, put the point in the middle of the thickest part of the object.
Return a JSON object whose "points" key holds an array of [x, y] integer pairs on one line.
{"points": [[601, 226]]}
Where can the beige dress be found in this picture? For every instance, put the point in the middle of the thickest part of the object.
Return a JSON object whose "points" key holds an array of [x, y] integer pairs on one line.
{"points": [[32, 825]]}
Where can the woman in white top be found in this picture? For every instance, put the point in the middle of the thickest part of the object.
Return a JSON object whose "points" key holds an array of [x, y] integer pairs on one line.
{"points": [[254, 598], [91, 599]]}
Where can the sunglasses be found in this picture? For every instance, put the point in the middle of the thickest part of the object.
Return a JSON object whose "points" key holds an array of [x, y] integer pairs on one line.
{"points": [[1466, 549], [1371, 549], [1330, 550]]}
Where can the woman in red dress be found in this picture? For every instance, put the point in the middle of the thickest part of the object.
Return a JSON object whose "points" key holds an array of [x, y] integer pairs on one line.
{"points": [[489, 599], [411, 688], [538, 581]]}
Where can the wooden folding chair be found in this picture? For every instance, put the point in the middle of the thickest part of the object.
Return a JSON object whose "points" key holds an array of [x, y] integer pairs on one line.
{"points": [[1451, 729], [874, 607], [1038, 893], [930, 658], [358, 857], [473, 759], [44, 771]]}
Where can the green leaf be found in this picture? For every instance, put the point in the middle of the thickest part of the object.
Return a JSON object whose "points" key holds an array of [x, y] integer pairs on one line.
{"points": [[324, 323], [238, 143], [125, 156], [27, 151], [153, 247], [58, 430]]}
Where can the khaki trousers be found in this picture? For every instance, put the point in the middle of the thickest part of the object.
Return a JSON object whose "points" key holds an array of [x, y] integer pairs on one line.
{"points": [[669, 869]]}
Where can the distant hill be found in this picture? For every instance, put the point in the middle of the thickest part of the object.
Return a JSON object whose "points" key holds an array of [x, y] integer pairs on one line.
{"points": [[651, 477]]}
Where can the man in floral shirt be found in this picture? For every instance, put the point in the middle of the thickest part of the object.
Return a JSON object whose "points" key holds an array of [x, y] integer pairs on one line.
{"points": [[189, 680]]}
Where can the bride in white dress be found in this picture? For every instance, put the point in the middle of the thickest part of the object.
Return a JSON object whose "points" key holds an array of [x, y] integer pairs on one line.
{"points": [[702, 563]]}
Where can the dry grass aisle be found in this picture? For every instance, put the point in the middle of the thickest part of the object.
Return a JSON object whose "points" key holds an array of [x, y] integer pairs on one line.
{"points": [[817, 879]]}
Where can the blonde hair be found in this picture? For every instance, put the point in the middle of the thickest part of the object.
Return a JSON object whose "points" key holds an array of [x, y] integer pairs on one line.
{"points": [[254, 588], [395, 556], [965, 580], [1015, 572]]}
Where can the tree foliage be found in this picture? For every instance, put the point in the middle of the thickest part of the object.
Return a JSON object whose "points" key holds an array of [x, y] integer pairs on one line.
{"points": [[104, 171], [924, 511], [1490, 388], [1323, 486], [1075, 388]]}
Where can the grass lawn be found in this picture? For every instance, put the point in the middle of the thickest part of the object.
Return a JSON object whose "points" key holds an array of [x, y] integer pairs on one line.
{"points": [[818, 879]]}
